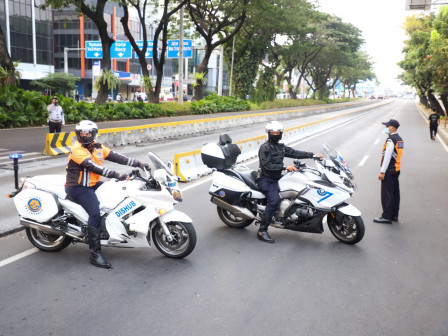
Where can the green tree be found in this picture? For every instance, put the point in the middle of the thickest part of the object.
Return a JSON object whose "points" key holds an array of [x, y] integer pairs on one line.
{"points": [[358, 67], [337, 40], [418, 72], [58, 82], [8, 73], [95, 12], [169, 8], [217, 22]]}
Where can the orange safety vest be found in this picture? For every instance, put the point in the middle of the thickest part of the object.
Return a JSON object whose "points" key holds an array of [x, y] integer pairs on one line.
{"points": [[395, 160]]}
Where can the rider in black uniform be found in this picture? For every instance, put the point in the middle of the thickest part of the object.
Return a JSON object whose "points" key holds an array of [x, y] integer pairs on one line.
{"points": [[271, 155]]}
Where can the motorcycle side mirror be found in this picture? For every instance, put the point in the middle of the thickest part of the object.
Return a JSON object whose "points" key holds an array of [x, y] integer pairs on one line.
{"points": [[170, 166], [160, 175]]}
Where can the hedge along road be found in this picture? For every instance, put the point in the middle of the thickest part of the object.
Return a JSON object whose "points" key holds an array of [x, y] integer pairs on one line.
{"points": [[32, 139]]}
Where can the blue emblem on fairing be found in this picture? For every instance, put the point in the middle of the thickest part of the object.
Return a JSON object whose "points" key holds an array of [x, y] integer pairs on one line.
{"points": [[34, 205], [325, 194], [222, 193]]}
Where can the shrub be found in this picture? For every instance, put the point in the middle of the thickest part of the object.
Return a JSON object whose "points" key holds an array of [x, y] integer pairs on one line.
{"points": [[214, 103]]}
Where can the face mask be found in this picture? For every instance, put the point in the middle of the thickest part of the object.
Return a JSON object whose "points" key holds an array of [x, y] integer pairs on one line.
{"points": [[275, 138], [386, 130]]}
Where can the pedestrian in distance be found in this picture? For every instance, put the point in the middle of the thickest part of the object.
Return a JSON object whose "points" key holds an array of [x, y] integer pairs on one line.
{"points": [[390, 172], [77, 96], [84, 170], [433, 124], [55, 116], [271, 155]]}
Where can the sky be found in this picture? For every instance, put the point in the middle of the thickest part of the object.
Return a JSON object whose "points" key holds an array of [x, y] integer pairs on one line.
{"points": [[381, 22]]}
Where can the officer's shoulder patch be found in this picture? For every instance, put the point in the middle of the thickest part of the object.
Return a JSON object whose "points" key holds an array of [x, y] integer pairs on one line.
{"points": [[400, 144]]}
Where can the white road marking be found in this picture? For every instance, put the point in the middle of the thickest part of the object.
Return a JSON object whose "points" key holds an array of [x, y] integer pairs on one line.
{"points": [[376, 141], [18, 256], [364, 159]]}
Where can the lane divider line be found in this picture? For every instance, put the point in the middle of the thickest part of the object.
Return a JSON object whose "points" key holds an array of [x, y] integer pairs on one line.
{"points": [[363, 161], [18, 257]]}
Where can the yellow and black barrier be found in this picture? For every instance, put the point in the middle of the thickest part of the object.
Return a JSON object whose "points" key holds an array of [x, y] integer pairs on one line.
{"points": [[58, 143]]}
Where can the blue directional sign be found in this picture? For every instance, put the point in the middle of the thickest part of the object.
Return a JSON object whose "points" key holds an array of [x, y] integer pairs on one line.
{"points": [[122, 75], [121, 50], [94, 49], [149, 46], [173, 48]]}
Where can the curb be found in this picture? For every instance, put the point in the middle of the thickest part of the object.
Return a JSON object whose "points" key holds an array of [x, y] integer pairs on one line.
{"points": [[9, 232]]}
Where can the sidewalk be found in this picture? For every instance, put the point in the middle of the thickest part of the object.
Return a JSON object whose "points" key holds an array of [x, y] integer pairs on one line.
{"points": [[442, 131]]}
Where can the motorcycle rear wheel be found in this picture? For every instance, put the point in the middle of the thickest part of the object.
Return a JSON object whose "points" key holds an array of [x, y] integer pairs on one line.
{"points": [[47, 242], [233, 221], [183, 243], [349, 229]]}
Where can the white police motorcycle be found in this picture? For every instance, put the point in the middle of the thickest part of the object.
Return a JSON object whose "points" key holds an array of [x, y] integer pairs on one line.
{"points": [[308, 197], [134, 213]]}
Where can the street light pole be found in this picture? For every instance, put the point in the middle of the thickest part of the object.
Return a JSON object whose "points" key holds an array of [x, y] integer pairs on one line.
{"points": [[220, 71], [231, 67], [180, 88], [66, 50]]}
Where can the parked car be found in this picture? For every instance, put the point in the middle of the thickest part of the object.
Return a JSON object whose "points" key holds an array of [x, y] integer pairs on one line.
{"points": [[283, 96]]}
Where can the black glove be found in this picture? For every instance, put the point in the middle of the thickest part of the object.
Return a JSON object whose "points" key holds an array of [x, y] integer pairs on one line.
{"points": [[120, 177], [143, 165]]}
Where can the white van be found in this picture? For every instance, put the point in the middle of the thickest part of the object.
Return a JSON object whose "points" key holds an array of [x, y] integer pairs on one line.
{"points": [[283, 96]]}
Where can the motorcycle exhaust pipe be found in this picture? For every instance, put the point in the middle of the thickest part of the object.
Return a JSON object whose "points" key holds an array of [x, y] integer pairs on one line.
{"points": [[236, 210], [45, 228], [41, 227]]}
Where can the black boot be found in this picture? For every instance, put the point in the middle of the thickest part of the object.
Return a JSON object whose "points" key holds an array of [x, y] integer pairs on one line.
{"points": [[262, 233], [96, 258]]}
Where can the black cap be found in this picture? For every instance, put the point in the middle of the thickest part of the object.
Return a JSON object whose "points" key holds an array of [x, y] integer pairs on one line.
{"points": [[392, 122]]}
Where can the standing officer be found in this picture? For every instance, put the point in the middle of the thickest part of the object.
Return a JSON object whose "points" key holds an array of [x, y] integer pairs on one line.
{"points": [[55, 116], [433, 124], [390, 171], [271, 155]]}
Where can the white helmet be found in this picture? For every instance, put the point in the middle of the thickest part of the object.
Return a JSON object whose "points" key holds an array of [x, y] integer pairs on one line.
{"points": [[274, 126], [88, 127]]}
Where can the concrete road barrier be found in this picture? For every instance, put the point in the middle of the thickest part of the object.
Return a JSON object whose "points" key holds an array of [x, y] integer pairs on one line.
{"points": [[188, 166], [123, 136]]}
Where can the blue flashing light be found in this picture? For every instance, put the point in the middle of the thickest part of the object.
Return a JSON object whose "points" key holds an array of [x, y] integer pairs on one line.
{"points": [[15, 156]]}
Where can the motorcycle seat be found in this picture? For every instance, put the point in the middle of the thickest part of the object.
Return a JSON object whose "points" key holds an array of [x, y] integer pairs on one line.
{"points": [[249, 177]]}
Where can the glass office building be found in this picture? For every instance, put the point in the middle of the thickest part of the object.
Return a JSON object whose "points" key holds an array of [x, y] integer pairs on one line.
{"points": [[29, 37]]}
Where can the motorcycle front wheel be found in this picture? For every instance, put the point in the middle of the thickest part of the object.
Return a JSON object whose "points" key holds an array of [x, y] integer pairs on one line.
{"points": [[183, 243], [47, 242], [233, 221], [347, 229]]}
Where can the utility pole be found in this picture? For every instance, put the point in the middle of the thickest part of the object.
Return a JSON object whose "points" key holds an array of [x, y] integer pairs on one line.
{"points": [[220, 72], [231, 67], [66, 50], [180, 89]]}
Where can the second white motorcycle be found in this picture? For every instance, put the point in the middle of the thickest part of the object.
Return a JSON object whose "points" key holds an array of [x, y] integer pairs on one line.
{"points": [[308, 197]]}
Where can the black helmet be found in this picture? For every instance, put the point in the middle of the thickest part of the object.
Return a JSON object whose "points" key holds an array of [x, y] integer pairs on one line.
{"points": [[88, 127]]}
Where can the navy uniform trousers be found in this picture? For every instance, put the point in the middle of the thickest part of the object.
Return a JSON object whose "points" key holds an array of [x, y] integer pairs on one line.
{"points": [[269, 187], [390, 194]]}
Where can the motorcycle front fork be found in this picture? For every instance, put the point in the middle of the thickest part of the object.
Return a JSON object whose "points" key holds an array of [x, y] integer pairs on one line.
{"points": [[166, 231]]}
